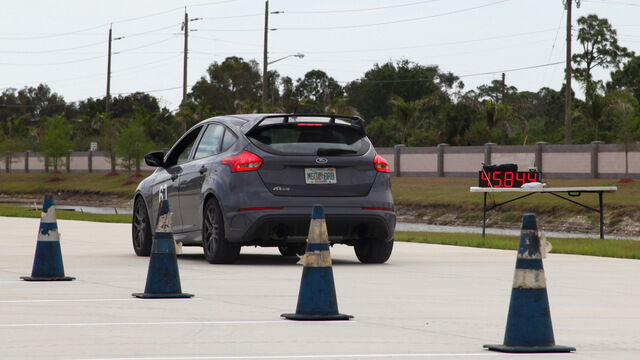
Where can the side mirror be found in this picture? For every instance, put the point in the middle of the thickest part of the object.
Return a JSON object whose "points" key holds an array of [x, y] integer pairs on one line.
{"points": [[155, 159]]}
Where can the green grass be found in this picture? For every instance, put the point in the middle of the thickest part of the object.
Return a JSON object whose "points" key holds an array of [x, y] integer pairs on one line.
{"points": [[455, 192], [24, 211], [40, 183], [627, 249]]}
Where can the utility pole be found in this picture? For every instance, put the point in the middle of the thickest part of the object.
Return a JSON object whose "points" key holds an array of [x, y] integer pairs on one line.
{"points": [[108, 97], [107, 119], [264, 56], [185, 27], [567, 89]]}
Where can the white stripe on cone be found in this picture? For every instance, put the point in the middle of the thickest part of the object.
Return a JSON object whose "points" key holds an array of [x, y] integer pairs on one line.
{"points": [[318, 232], [529, 279], [49, 217]]}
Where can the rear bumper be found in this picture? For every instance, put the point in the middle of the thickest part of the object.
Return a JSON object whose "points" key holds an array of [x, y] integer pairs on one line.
{"points": [[291, 224]]}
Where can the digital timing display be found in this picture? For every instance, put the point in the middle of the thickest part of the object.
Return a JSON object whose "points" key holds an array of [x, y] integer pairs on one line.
{"points": [[506, 179]]}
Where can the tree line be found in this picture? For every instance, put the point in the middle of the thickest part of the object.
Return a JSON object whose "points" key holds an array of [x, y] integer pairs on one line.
{"points": [[402, 102]]}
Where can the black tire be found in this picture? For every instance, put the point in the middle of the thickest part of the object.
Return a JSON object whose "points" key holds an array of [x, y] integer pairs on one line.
{"points": [[216, 249], [373, 250], [141, 229], [292, 249]]}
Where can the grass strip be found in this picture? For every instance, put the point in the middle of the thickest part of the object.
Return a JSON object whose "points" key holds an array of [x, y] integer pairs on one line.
{"points": [[25, 211], [626, 249], [40, 183]]}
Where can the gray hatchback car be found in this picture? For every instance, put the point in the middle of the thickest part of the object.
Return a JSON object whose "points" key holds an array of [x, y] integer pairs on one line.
{"points": [[252, 180]]}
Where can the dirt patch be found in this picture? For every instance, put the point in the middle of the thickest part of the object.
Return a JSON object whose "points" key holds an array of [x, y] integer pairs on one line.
{"points": [[617, 221]]}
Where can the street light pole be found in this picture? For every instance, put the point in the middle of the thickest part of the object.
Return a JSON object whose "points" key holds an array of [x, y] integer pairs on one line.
{"points": [[264, 56], [298, 55]]}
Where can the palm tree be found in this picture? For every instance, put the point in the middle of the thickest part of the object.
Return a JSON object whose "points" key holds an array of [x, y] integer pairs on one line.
{"points": [[504, 117], [409, 116]]}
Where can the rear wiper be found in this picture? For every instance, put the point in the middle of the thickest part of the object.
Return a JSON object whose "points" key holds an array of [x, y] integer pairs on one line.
{"points": [[329, 152]]}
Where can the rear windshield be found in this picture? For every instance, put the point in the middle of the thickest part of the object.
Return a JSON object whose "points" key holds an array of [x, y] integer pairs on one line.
{"points": [[309, 139]]}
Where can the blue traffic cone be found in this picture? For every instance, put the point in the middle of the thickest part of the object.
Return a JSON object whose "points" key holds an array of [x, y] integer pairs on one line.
{"points": [[317, 296], [47, 264], [163, 278], [529, 327]]}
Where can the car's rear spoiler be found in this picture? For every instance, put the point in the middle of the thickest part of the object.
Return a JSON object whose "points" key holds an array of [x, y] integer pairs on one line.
{"points": [[342, 120]]}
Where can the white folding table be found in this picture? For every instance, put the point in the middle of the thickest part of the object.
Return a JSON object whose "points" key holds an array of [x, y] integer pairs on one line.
{"points": [[570, 191]]}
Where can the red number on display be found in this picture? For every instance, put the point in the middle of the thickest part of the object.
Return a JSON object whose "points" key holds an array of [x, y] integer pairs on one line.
{"points": [[484, 179], [496, 177], [508, 179], [520, 178], [532, 176]]}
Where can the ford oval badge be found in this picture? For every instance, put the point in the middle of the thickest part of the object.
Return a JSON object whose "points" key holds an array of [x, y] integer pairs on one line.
{"points": [[321, 160]]}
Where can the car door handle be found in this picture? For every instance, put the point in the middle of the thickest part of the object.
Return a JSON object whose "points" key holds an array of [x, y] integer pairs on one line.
{"points": [[202, 170], [174, 177]]}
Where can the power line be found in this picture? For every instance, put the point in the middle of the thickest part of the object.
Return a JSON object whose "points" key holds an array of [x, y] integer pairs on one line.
{"points": [[395, 21], [151, 91], [230, 17], [54, 63], [432, 45], [89, 58], [52, 50], [49, 36], [553, 46], [610, 2], [514, 69], [362, 9], [31, 37], [364, 25], [460, 76], [174, 25], [146, 45]]}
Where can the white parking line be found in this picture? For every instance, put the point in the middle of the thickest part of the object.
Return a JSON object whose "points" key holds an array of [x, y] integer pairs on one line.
{"points": [[241, 322], [329, 356]]}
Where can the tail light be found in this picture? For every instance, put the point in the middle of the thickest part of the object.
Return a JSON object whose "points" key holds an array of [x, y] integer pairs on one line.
{"points": [[245, 161], [381, 164]]}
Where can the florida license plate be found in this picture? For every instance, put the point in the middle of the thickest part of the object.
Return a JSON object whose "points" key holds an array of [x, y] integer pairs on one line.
{"points": [[320, 175]]}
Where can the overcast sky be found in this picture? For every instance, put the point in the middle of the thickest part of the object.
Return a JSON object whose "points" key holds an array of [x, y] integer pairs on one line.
{"points": [[64, 43]]}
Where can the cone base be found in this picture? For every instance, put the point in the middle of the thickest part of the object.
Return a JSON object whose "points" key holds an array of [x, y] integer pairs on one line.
{"points": [[530, 349], [161, 296], [308, 317], [52, 278]]}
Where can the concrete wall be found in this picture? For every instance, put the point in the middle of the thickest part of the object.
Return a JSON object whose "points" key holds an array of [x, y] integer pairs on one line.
{"points": [[79, 161], [596, 160]]}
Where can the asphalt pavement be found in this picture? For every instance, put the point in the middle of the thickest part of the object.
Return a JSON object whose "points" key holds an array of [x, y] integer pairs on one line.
{"points": [[427, 302]]}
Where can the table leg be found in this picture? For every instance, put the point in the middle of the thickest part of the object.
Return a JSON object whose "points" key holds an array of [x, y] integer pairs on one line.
{"points": [[484, 214], [601, 216]]}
